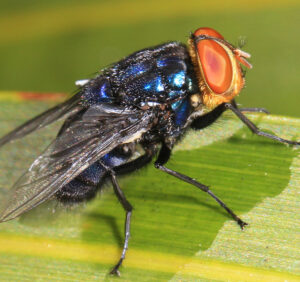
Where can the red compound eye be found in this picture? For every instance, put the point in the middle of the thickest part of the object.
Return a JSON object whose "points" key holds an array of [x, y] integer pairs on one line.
{"points": [[214, 60], [208, 32]]}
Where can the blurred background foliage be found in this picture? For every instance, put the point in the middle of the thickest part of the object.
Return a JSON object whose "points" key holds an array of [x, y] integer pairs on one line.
{"points": [[47, 45]]}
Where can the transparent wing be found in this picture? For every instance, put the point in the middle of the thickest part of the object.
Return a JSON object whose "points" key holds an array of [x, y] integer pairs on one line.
{"points": [[64, 109], [100, 129]]}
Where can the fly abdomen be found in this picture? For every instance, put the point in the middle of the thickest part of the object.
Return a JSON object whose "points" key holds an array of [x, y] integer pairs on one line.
{"points": [[85, 186], [76, 191]]}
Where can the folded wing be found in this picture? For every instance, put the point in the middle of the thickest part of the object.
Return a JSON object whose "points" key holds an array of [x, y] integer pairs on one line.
{"points": [[64, 109], [100, 129]]}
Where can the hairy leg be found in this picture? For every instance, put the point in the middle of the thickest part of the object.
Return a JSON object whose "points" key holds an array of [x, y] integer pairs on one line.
{"points": [[254, 128], [163, 158]]}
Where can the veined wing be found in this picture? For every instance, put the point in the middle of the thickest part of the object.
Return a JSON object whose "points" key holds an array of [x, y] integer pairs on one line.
{"points": [[101, 129], [64, 109]]}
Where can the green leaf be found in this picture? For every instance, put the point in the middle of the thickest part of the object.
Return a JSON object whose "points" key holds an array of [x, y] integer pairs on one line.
{"points": [[178, 232]]}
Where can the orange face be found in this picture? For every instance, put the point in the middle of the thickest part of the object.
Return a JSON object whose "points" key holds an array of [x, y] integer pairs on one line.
{"points": [[217, 64]]}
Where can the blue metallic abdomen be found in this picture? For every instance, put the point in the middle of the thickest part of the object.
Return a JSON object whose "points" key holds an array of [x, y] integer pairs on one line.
{"points": [[86, 184]]}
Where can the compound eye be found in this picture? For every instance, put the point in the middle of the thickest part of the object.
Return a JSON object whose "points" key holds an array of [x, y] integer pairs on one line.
{"points": [[216, 65], [208, 32]]}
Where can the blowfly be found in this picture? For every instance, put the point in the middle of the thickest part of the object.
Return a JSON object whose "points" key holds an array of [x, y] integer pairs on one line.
{"points": [[148, 99]]}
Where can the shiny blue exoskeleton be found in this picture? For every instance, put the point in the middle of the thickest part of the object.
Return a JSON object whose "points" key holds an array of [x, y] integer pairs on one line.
{"points": [[148, 79], [132, 112]]}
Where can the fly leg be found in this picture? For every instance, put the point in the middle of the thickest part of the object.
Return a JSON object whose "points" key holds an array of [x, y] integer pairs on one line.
{"points": [[252, 110], [163, 158], [254, 128], [128, 209], [208, 118], [126, 168], [137, 163]]}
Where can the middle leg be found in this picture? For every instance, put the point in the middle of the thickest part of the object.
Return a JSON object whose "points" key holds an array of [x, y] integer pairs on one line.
{"points": [[163, 158]]}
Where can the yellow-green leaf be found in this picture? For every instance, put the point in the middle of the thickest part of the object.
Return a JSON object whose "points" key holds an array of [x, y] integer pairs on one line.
{"points": [[178, 232]]}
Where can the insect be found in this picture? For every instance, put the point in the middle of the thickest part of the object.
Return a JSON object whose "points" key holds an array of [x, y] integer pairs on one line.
{"points": [[148, 100]]}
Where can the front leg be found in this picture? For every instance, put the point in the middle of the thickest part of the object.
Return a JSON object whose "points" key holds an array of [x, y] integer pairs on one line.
{"points": [[251, 110], [210, 117], [254, 128], [163, 158], [254, 110]]}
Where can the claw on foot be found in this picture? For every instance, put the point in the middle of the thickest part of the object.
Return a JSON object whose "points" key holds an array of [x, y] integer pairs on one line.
{"points": [[115, 272], [242, 224]]}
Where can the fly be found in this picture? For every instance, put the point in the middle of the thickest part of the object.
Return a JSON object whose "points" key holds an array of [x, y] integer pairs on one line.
{"points": [[148, 99]]}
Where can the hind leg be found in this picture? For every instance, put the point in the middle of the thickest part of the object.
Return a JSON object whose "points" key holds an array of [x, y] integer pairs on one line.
{"points": [[125, 168]]}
